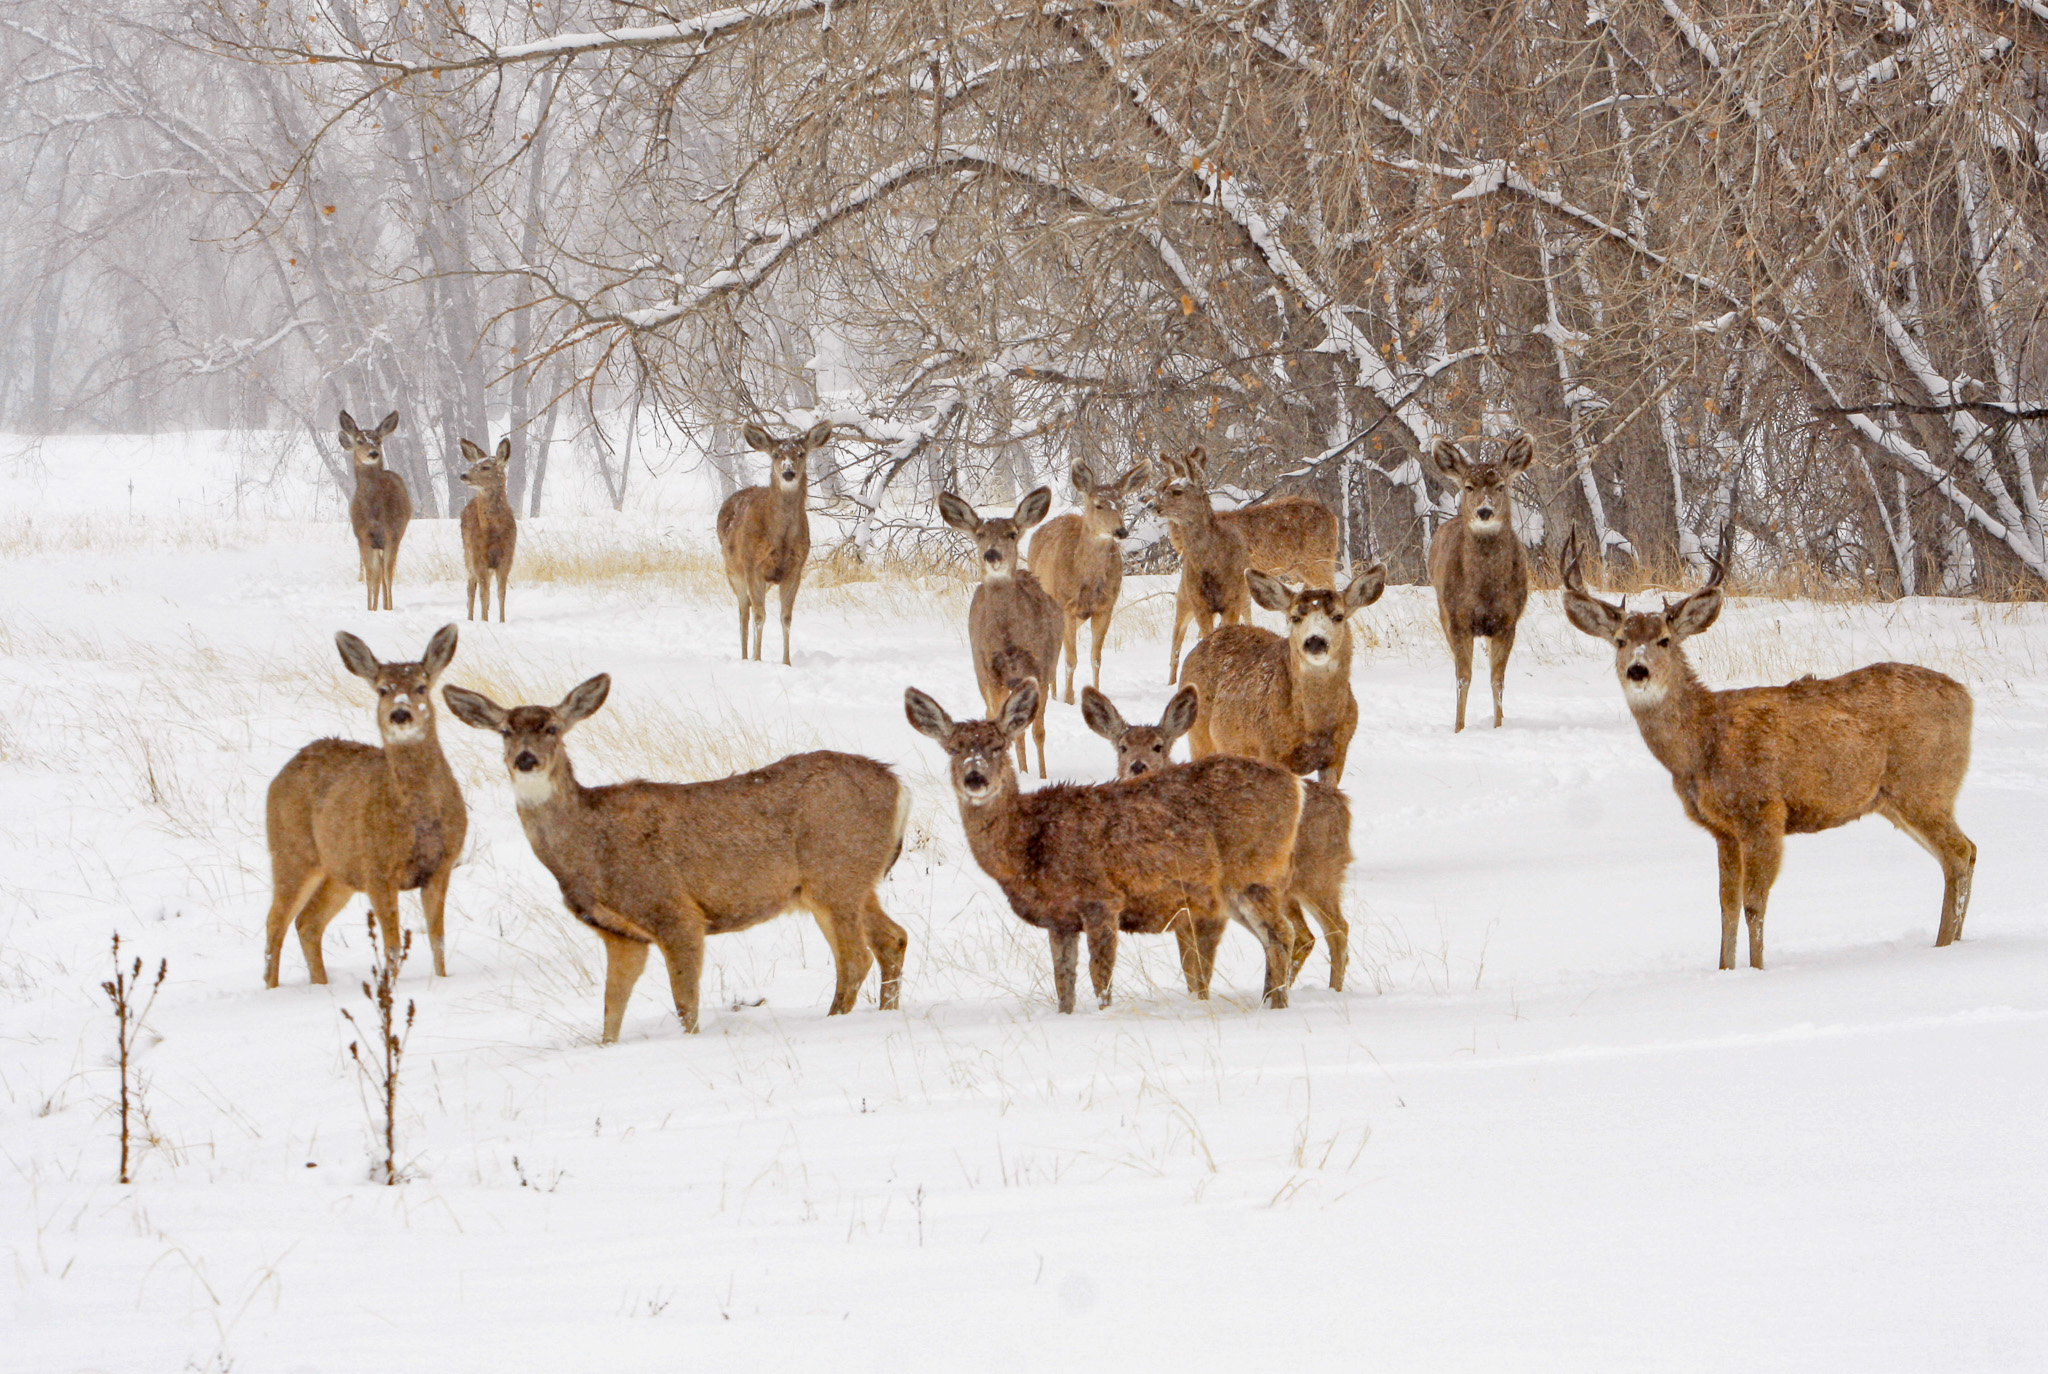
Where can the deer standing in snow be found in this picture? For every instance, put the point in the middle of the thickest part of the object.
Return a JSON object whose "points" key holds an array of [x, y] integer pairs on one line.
{"points": [[1013, 624], [381, 507], [1478, 565], [490, 527], [764, 533], [1079, 559]]}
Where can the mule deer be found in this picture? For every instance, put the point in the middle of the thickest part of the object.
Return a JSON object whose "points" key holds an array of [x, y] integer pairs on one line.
{"points": [[1322, 844], [1214, 837], [1286, 701], [1478, 565], [765, 532], [490, 528], [381, 507], [1756, 764], [343, 817], [656, 863], [1013, 626], [1079, 560], [1293, 535]]}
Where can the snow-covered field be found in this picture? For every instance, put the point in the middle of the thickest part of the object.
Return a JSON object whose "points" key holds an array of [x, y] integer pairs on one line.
{"points": [[1540, 1131]]}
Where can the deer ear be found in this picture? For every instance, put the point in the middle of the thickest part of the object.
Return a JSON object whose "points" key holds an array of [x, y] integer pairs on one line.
{"points": [[1590, 614], [1268, 590], [1366, 588], [1520, 453], [472, 454], [759, 438], [818, 435], [390, 423], [1695, 614], [958, 514], [1100, 715], [440, 650], [1449, 459], [474, 709], [1134, 479], [348, 427], [584, 699], [1180, 715], [926, 716], [1018, 711], [1032, 508], [1196, 461], [356, 656], [1084, 477], [505, 449]]}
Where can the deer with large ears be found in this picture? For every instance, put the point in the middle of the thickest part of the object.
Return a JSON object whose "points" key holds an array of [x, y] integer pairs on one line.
{"points": [[765, 532], [1478, 565], [343, 817], [667, 864], [1013, 624], [1322, 843], [1756, 764], [381, 507], [1214, 838], [1079, 559], [490, 527]]}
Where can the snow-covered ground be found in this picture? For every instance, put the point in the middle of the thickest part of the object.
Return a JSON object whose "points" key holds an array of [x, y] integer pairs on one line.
{"points": [[1540, 1131]]}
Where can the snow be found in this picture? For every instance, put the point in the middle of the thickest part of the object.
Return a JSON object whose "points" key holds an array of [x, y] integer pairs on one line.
{"points": [[1540, 1131]]}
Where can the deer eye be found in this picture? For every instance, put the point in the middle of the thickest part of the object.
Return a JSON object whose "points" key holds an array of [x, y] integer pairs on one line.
{"points": [[1620, 642], [1665, 642], [554, 730]]}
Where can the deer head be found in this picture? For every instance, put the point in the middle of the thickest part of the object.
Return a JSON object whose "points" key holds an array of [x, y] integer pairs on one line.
{"points": [[1140, 749], [788, 459], [405, 705], [996, 538], [1315, 615], [1649, 656], [979, 749], [366, 445], [1180, 488], [486, 470], [1102, 503], [533, 734], [1485, 490]]}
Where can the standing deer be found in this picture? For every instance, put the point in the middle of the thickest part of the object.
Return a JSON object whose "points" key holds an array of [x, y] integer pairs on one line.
{"points": [[1286, 701], [1293, 535], [765, 532], [1214, 837], [1478, 565], [1756, 764], [1322, 844], [1079, 559], [659, 863], [381, 507], [343, 817], [490, 528], [1013, 626]]}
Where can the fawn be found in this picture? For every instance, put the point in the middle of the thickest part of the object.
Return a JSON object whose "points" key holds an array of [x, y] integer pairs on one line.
{"points": [[661, 863], [1013, 626], [1214, 837], [343, 817], [765, 532], [490, 528], [1756, 764], [1286, 701], [1478, 565], [381, 507], [1322, 843], [1079, 559]]}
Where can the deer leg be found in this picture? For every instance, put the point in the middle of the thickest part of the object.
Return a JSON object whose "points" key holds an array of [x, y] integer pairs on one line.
{"points": [[373, 560], [434, 902], [1100, 923], [1183, 612], [1939, 835], [1208, 935], [1498, 647], [1261, 911], [739, 591], [851, 957], [757, 596], [504, 576], [1304, 942], [325, 905], [1730, 852], [469, 598], [683, 952], [1762, 851], [288, 897], [1461, 662], [1066, 954], [785, 596], [1329, 913], [1098, 628], [887, 940], [391, 568], [384, 905], [1038, 734], [1183, 925], [623, 961]]}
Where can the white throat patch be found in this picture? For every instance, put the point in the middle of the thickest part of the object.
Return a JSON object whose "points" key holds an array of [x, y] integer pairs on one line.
{"points": [[533, 789], [412, 732], [1646, 693]]}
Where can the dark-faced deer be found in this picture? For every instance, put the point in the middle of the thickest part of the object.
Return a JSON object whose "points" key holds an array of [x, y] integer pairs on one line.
{"points": [[656, 863], [490, 528], [343, 817], [381, 507], [1286, 701], [1322, 844], [1478, 565], [1292, 535], [1079, 559], [1013, 625], [1214, 838], [1756, 764], [765, 532]]}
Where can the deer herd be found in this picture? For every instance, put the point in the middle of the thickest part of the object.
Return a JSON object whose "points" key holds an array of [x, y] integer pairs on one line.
{"points": [[1254, 829]]}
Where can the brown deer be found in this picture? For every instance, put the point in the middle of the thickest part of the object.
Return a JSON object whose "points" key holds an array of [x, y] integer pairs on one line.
{"points": [[1079, 560], [1322, 844], [1214, 838], [381, 507], [343, 817], [1286, 701], [1013, 626], [660, 863], [1292, 535], [1478, 565], [490, 528], [1756, 764], [765, 532]]}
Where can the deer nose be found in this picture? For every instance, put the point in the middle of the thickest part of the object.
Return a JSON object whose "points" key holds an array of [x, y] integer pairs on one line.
{"points": [[1136, 769], [974, 782], [993, 556], [1638, 673], [1316, 644], [1486, 512], [789, 474], [401, 717], [526, 762], [1121, 532]]}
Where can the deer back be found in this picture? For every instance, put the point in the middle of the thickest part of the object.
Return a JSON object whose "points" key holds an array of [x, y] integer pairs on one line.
{"points": [[1293, 536]]}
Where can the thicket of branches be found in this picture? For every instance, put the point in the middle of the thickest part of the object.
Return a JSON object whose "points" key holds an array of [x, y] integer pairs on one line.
{"points": [[1773, 262]]}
